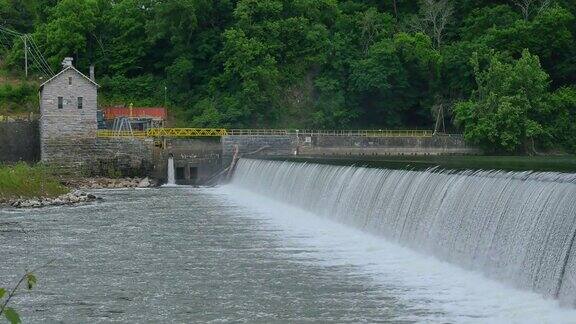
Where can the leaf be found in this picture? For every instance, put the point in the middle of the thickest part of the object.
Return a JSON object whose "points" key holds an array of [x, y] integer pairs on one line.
{"points": [[31, 279], [12, 316], [2, 292]]}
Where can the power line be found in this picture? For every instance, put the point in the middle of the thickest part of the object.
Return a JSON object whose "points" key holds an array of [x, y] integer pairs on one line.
{"points": [[30, 47], [42, 59], [43, 70], [38, 62], [10, 31], [5, 42]]}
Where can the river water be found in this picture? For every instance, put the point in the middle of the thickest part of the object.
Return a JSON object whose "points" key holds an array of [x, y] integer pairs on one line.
{"points": [[228, 255]]}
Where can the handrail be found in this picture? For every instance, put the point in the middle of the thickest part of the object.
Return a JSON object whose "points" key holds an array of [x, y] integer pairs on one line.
{"points": [[112, 133], [18, 117], [218, 132], [369, 133], [186, 132]]}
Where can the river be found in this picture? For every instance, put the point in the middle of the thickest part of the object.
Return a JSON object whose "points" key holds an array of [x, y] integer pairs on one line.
{"points": [[227, 255]]}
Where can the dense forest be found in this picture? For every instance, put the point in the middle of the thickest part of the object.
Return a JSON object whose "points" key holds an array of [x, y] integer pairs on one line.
{"points": [[502, 72]]}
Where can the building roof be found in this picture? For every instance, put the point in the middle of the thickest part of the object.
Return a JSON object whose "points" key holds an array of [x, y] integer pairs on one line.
{"points": [[137, 112], [64, 70]]}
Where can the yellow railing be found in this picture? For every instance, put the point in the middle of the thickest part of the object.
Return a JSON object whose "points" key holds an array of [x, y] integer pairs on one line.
{"points": [[217, 132], [186, 132], [111, 133], [369, 133], [18, 117], [257, 132]]}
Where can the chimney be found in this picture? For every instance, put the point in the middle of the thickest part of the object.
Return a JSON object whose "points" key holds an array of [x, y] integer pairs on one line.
{"points": [[67, 62], [92, 76]]}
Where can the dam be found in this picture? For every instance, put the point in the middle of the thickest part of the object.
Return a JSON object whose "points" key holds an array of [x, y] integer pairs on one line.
{"points": [[306, 242], [519, 228], [270, 226]]}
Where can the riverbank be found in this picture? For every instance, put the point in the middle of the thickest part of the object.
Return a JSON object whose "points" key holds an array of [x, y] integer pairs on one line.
{"points": [[26, 186], [22, 181], [68, 199], [111, 183]]}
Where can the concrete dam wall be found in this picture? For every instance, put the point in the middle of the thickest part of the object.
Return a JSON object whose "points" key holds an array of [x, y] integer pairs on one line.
{"points": [[324, 145]]}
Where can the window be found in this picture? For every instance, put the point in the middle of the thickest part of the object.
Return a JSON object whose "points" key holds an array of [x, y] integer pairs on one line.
{"points": [[79, 102], [60, 102], [180, 173], [69, 80]]}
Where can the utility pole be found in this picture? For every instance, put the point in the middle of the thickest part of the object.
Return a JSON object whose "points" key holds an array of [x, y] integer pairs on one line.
{"points": [[165, 97], [25, 55]]}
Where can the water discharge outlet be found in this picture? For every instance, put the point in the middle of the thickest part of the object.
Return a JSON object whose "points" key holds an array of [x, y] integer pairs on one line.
{"points": [[171, 176]]}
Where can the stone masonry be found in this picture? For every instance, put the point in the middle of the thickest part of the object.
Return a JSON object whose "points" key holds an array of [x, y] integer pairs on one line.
{"points": [[68, 105], [68, 127]]}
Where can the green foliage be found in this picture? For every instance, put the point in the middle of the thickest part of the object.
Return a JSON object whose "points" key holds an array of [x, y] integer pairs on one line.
{"points": [[6, 296], [22, 180], [562, 118], [511, 109], [141, 91], [317, 63], [12, 316], [18, 98], [70, 29]]}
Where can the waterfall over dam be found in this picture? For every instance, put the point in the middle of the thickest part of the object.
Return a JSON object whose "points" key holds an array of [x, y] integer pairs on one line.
{"points": [[515, 227]]}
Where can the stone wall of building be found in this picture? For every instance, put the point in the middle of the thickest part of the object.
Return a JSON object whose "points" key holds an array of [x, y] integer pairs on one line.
{"points": [[63, 128], [19, 141], [101, 156]]}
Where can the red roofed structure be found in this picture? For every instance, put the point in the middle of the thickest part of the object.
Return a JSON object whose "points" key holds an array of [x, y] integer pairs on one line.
{"points": [[154, 113]]}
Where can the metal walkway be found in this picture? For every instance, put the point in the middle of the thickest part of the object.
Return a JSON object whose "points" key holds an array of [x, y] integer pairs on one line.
{"points": [[218, 132]]}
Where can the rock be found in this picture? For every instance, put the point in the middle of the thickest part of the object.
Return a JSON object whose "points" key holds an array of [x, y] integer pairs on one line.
{"points": [[144, 183]]}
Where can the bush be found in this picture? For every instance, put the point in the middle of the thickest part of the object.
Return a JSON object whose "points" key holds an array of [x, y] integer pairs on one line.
{"points": [[18, 98]]}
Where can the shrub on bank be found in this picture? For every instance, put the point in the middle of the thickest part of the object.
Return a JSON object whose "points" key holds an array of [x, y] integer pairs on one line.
{"points": [[23, 180], [18, 98]]}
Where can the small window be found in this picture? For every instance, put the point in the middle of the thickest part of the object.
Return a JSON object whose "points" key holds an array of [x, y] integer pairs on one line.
{"points": [[60, 102], [69, 80], [180, 173], [79, 102]]}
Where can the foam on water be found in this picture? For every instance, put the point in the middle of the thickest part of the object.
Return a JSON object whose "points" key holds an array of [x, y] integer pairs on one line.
{"points": [[517, 228]]}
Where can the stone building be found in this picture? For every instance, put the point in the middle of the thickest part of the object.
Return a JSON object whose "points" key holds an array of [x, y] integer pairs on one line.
{"points": [[68, 105]]}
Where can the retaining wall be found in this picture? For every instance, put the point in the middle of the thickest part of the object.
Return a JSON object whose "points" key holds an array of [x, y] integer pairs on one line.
{"points": [[358, 145], [319, 145], [257, 145], [100, 156], [19, 141]]}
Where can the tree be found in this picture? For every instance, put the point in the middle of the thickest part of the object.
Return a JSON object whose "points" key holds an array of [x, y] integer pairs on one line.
{"points": [[71, 31], [531, 7], [505, 111], [433, 19]]}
